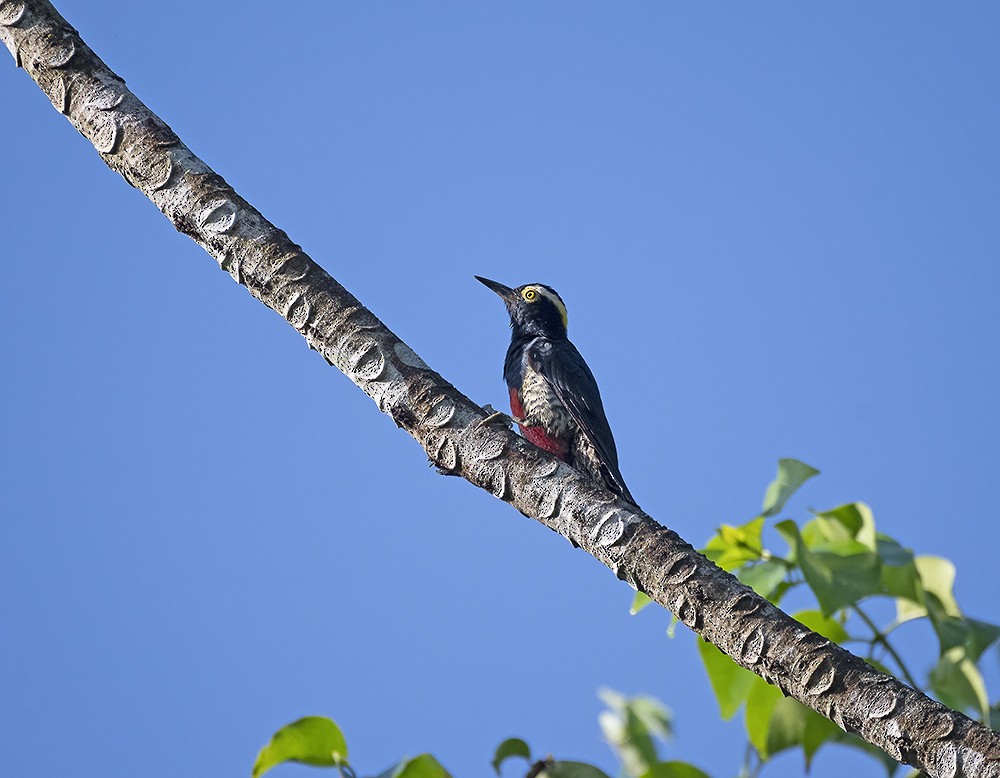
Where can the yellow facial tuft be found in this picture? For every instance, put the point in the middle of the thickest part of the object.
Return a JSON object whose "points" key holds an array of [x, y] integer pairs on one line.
{"points": [[532, 294]]}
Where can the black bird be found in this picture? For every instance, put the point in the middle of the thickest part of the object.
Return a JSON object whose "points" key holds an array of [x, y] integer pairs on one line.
{"points": [[553, 395]]}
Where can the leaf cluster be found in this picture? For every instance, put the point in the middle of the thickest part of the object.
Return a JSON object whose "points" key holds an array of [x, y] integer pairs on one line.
{"points": [[849, 572], [318, 741]]}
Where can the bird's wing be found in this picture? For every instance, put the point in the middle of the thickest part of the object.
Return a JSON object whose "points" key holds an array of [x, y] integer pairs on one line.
{"points": [[561, 365]]}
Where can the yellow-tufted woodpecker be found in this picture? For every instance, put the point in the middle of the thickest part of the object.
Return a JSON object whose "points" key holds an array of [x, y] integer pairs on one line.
{"points": [[553, 395]]}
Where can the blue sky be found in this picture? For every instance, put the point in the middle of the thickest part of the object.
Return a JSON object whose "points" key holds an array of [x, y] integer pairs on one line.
{"points": [[775, 227]]}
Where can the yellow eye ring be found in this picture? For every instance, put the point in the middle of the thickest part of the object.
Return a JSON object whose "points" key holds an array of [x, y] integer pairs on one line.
{"points": [[529, 294]]}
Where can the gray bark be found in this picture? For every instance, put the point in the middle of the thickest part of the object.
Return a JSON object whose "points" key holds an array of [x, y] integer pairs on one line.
{"points": [[144, 150]]}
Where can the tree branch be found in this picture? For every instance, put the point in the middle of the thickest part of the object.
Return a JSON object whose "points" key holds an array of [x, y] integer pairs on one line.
{"points": [[144, 150]]}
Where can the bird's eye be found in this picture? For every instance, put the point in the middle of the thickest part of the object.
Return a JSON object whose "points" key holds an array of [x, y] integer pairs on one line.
{"points": [[529, 294]]}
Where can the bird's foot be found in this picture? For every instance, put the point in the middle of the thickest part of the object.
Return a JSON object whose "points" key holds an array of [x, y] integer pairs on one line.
{"points": [[495, 416]]}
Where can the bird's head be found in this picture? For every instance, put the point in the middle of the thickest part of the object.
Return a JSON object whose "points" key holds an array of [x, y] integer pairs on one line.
{"points": [[534, 308]]}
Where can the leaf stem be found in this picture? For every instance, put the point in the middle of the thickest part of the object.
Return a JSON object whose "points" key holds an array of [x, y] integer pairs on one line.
{"points": [[878, 637], [767, 556]]}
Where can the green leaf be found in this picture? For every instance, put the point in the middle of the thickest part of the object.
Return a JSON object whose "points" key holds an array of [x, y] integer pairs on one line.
{"points": [[512, 746], [890, 764], [841, 580], [423, 766], [730, 682], [651, 716], [819, 730], [937, 577], [794, 725], [765, 578], [829, 628], [781, 589], [842, 573], [563, 769], [899, 571], [732, 547], [951, 631], [937, 601], [853, 521], [313, 740], [761, 702], [958, 683], [630, 724], [789, 530], [891, 552], [674, 770], [640, 601], [786, 726], [791, 475], [981, 636]]}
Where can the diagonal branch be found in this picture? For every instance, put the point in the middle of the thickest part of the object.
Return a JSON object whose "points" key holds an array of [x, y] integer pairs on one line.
{"points": [[145, 151]]}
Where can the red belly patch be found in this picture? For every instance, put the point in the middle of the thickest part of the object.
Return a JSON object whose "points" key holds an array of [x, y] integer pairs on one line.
{"points": [[538, 435]]}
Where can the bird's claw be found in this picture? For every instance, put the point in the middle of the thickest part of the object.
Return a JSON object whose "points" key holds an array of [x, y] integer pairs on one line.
{"points": [[495, 416]]}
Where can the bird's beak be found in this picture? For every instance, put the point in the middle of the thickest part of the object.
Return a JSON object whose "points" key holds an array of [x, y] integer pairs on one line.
{"points": [[508, 294]]}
